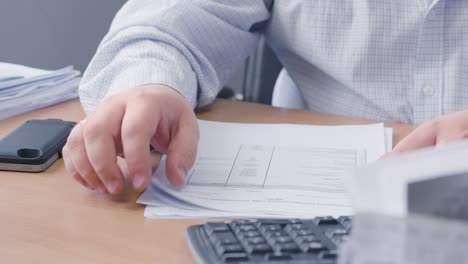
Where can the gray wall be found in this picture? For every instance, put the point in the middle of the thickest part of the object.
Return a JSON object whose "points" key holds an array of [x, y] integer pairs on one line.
{"points": [[53, 33]]}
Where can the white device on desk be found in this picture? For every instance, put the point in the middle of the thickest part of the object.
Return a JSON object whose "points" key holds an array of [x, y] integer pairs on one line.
{"points": [[431, 181]]}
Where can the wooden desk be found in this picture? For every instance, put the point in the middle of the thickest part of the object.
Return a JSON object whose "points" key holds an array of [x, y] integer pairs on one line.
{"points": [[49, 218]]}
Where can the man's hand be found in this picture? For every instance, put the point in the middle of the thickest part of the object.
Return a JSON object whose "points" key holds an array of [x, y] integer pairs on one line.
{"points": [[126, 124], [439, 131]]}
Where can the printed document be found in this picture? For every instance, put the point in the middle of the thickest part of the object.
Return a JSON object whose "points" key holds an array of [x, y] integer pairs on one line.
{"points": [[268, 170]]}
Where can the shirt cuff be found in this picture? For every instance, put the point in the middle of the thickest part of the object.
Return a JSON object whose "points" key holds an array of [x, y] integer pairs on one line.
{"points": [[133, 76]]}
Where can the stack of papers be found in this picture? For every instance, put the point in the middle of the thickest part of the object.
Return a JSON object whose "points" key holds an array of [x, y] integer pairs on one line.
{"points": [[23, 89], [268, 170]]}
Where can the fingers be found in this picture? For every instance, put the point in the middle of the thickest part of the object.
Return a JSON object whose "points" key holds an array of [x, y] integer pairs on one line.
{"points": [[451, 137], [100, 138], [72, 171], [127, 124], [78, 162], [440, 131], [90, 154], [182, 150], [138, 126], [423, 136]]}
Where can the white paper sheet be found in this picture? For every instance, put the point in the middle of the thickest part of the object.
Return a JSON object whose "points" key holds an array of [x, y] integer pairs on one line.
{"points": [[388, 139], [10, 70], [31, 88], [254, 170]]}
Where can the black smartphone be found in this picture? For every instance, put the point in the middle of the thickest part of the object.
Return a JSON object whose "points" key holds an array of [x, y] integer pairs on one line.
{"points": [[34, 145]]}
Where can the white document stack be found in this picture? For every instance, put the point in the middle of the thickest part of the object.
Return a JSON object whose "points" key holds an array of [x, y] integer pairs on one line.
{"points": [[268, 170], [23, 89]]}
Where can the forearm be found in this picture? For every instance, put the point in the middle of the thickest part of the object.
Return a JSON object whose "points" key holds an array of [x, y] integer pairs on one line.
{"points": [[191, 46]]}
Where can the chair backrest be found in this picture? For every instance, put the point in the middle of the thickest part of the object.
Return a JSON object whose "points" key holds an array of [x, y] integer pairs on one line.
{"points": [[267, 82], [262, 71], [286, 94]]}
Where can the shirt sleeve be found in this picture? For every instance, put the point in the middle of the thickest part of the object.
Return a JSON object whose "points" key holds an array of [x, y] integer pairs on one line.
{"points": [[193, 46]]}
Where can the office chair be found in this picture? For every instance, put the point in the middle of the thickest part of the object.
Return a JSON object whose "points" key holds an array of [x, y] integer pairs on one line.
{"points": [[267, 82], [286, 94], [261, 72]]}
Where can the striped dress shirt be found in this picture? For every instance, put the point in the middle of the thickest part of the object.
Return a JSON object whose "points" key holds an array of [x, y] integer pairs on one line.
{"points": [[398, 60]]}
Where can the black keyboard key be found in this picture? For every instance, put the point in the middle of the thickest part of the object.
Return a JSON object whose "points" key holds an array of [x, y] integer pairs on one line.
{"points": [[224, 238], [232, 248], [346, 222], [326, 220], [212, 227], [336, 232], [249, 234], [255, 240], [281, 240], [277, 256], [282, 222], [237, 257], [287, 247], [276, 234], [246, 228], [292, 227], [331, 254], [301, 232], [258, 248], [313, 247], [339, 239], [337, 235], [307, 239], [305, 232]]}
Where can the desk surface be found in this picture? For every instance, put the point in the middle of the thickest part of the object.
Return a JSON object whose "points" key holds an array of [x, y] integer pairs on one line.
{"points": [[48, 218]]}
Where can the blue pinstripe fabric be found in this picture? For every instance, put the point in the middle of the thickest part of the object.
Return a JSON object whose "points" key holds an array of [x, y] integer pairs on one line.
{"points": [[399, 60]]}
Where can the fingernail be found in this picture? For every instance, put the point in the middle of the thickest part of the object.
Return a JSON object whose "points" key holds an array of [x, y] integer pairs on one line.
{"points": [[114, 186], [138, 182], [182, 175]]}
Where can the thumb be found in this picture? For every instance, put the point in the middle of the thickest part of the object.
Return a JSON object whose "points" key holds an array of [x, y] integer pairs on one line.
{"points": [[182, 151]]}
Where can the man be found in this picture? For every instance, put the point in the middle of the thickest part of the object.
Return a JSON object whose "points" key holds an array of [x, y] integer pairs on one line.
{"points": [[401, 60]]}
